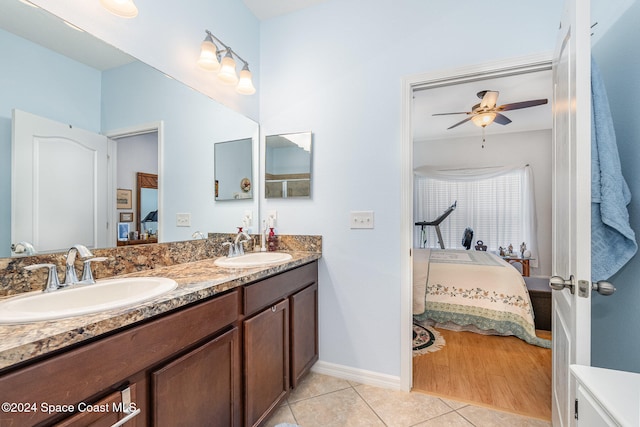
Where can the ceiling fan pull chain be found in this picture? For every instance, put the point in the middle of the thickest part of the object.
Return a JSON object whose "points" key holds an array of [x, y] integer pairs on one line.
{"points": [[483, 137]]}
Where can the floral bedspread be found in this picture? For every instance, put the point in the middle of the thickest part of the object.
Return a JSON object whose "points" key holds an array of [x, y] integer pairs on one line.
{"points": [[472, 290]]}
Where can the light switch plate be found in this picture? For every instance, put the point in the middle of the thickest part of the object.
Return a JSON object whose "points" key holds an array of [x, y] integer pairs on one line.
{"points": [[361, 219], [183, 220]]}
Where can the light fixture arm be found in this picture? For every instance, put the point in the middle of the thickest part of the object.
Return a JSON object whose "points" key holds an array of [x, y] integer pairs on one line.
{"points": [[227, 48]]}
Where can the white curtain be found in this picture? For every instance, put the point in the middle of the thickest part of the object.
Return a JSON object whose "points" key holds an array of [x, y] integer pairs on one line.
{"points": [[497, 202]]}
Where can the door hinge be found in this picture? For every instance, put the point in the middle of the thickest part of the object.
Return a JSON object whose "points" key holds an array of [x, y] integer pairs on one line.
{"points": [[575, 415]]}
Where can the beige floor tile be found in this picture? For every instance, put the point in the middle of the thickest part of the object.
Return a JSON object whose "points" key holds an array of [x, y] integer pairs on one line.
{"points": [[315, 385], [452, 419], [342, 408], [455, 404], [282, 415], [402, 409], [483, 417]]}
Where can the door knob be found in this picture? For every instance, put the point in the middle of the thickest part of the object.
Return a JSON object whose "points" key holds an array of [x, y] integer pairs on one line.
{"points": [[603, 288], [558, 283]]}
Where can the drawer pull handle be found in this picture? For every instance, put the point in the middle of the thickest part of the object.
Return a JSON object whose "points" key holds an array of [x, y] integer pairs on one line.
{"points": [[127, 418], [126, 404], [273, 309]]}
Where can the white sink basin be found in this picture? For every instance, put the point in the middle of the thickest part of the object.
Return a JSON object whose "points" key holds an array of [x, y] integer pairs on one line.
{"points": [[254, 259], [84, 299]]}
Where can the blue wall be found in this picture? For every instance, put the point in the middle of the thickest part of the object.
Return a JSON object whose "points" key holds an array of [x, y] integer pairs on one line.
{"points": [[615, 334]]}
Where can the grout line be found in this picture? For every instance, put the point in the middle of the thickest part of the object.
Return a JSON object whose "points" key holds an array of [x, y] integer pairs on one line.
{"points": [[370, 407]]}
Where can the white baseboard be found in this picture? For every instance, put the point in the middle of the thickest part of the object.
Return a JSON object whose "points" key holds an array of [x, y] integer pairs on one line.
{"points": [[361, 376]]}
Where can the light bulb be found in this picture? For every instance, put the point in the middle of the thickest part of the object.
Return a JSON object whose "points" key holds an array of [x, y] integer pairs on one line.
{"points": [[227, 72], [122, 8], [245, 85], [484, 119], [209, 55]]}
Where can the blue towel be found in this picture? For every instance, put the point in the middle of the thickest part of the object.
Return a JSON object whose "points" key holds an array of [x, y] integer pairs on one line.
{"points": [[613, 241]]}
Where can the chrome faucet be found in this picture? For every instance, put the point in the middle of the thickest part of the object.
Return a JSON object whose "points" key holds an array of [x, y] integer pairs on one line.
{"points": [[236, 248], [71, 277], [23, 248], [239, 242]]}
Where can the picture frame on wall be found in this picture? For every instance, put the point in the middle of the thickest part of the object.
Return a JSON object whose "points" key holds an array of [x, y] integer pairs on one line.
{"points": [[123, 198], [123, 231], [126, 216]]}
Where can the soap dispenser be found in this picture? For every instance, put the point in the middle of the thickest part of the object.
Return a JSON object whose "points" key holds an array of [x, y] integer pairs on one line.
{"points": [[272, 241]]}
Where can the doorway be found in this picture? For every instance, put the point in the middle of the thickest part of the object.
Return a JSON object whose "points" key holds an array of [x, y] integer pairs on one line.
{"points": [[138, 149], [516, 66]]}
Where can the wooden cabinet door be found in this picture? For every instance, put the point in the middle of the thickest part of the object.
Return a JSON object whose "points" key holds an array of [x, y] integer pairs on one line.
{"points": [[202, 387], [304, 332], [266, 358]]}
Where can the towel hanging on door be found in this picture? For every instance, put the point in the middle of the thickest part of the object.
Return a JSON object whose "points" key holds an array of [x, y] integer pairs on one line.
{"points": [[613, 241]]}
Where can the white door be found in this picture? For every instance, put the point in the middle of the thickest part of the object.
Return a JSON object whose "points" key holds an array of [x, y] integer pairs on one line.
{"points": [[59, 184], [571, 243]]}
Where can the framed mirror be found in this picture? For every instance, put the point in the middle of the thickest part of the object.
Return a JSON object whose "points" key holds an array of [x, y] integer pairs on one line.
{"points": [[147, 206], [103, 90], [233, 168], [288, 165]]}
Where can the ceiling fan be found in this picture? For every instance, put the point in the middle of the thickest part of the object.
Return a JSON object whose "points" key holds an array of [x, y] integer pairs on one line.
{"points": [[487, 112]]}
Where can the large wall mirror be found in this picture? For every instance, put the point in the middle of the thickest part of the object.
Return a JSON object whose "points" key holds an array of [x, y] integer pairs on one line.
{"points": [[62, 74], [288, 165], [234, 169]]}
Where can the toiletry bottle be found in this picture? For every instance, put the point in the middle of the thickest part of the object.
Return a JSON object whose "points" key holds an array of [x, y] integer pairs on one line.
{"points": [[272, 241]]}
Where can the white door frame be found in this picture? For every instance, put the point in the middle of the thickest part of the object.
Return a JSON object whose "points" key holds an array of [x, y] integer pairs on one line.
{"points": [[132, 131], [488, 70]]}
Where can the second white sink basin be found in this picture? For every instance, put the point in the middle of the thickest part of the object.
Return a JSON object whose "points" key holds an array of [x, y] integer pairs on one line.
{"points": [[253, 259], [84, 299]]}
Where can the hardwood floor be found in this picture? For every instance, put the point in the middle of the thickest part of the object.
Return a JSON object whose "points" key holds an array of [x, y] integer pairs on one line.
{"points": [[499, 372]]}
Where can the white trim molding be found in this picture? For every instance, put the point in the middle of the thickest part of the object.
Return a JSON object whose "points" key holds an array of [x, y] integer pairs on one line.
{"points": [[361, 376]]}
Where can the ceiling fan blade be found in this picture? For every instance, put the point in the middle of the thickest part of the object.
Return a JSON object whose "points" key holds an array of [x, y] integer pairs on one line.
{"points": [[459, 123], [524, 104], [489, 99], [501, 119], [446, 114]]}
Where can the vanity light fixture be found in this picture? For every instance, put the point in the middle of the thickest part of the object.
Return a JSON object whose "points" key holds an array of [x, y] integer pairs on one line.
{"points": [[121, 8], [226, 68]]}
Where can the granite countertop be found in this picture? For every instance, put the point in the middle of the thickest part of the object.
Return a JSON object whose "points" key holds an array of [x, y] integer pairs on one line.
{"points": [[196, 281]]}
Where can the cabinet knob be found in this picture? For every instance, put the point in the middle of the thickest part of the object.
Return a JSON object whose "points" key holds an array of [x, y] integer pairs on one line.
{"points": [[273, 308]]}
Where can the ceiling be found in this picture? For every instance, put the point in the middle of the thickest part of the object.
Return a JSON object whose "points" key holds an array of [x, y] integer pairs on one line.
{"points": [[462, 97], [265, 9]]}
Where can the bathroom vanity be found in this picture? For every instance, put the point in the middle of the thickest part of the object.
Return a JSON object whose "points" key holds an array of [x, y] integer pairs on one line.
{"points": [[224, 348]]}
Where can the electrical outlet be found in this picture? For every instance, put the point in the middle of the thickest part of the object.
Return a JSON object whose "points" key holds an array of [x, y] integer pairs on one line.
{"points": [[183, 220], [247, 219], [272, 218], [361, 219]]}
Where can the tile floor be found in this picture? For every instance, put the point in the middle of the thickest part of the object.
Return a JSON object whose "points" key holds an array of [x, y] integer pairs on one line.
{"points": [[324, 401]]}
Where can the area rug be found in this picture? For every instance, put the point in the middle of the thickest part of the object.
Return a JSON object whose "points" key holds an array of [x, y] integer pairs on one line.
{"points": [[426, 340]]}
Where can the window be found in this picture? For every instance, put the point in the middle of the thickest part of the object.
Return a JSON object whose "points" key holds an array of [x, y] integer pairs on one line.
{"points": [[496, 208]]}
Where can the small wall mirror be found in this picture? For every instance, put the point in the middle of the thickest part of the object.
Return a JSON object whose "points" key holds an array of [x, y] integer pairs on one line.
{"points": [[232, 168], [288, 165]]}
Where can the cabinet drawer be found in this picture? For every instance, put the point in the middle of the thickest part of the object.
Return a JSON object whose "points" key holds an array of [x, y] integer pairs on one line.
{"points": [[97, 366], [268, 291]]}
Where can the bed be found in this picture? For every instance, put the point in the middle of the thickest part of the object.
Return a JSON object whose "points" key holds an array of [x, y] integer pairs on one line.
{"points": [[472, 291]]}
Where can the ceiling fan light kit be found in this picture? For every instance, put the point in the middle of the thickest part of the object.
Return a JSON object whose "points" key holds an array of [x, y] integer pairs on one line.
{"points": [[483, 119], [487, 111]]}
